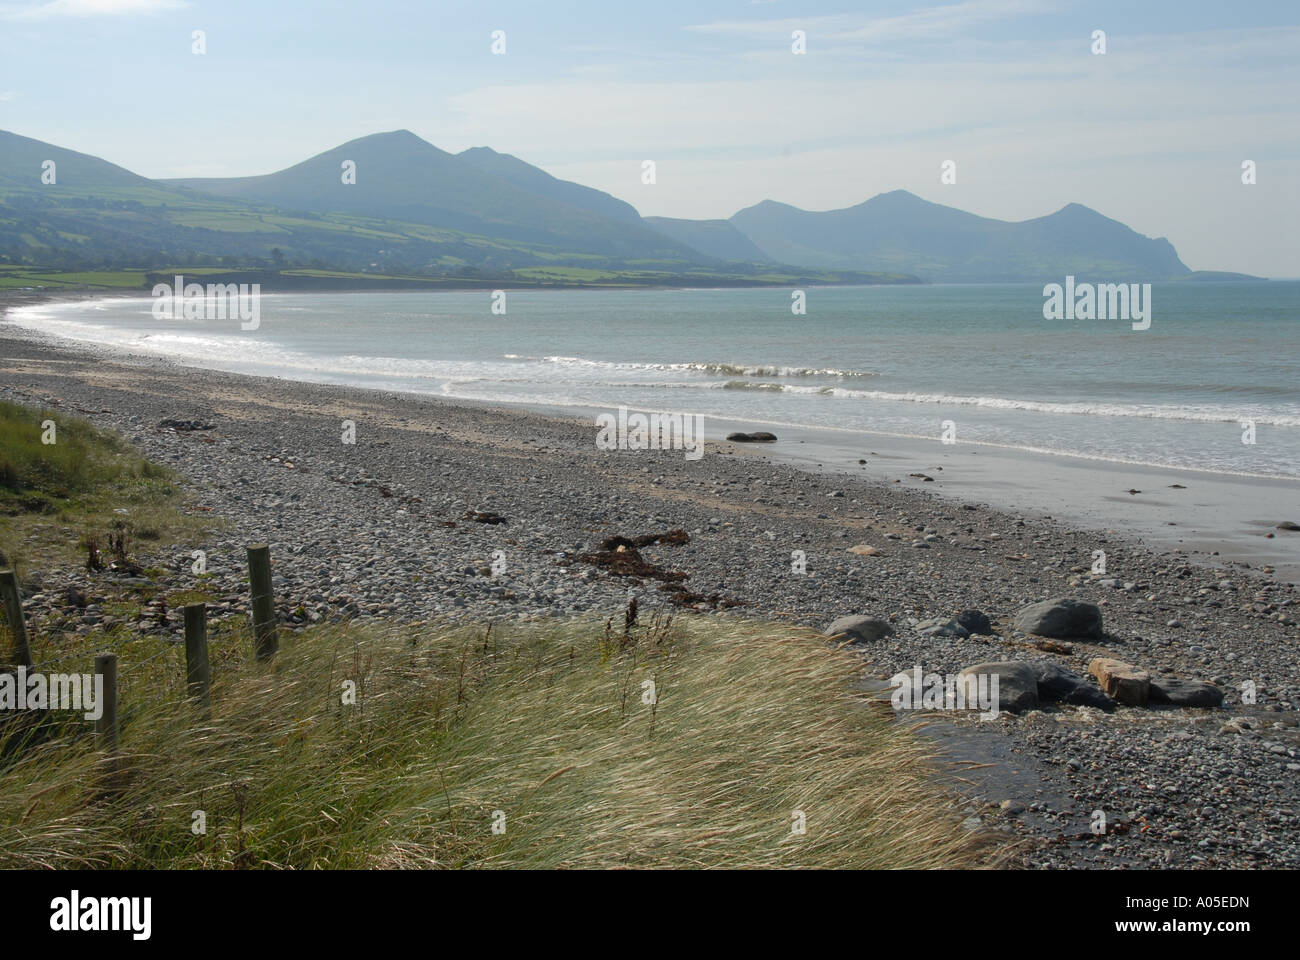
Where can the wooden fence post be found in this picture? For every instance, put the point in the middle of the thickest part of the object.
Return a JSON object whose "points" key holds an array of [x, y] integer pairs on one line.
{"points": [[13, 601], [259, 578], [197, 675], [106, 725]]}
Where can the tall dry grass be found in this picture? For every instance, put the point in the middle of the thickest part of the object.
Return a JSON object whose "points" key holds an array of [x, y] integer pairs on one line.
{"points": [[544, 728]]}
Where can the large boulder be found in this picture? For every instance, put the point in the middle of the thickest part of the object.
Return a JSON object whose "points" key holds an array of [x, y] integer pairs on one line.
{"points": [[860, 629], [1061, 619], [1057, 683], [1184, 693], [1017, 685], [1123, 681]]}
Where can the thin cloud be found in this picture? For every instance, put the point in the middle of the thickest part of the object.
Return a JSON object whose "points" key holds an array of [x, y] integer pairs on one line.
{"points": [[60, 9], [919, 24]]}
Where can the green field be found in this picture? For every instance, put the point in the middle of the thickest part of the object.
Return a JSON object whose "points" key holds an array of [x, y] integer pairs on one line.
{"points": [[19, 278]]}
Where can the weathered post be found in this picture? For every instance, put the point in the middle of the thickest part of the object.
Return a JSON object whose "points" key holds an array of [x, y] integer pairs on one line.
{"points": [[197, 675], [259, 578], [106, 725], [14, 613]]}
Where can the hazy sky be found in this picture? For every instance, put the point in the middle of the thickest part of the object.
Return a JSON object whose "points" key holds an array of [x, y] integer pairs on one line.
{"points": [[1153, 133]]}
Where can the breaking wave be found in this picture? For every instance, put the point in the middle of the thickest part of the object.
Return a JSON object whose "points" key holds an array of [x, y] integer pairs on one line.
{"points": [[726, 369]]}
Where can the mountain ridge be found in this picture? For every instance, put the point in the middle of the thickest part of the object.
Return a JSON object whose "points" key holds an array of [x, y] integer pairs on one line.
{"points": [[897, 230], [400, 176], [416, 207]]}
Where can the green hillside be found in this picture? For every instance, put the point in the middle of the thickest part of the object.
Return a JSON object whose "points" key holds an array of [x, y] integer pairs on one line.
{"points": [[98, 216], [403, 178], [415, 211], [416, 217]]}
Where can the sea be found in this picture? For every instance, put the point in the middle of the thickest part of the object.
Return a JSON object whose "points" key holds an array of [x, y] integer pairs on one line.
{"points": [[1212, 384]]}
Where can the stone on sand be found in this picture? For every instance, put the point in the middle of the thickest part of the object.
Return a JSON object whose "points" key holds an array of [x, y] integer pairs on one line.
{"points": [[1017, 685], [860, 629], [1057, 683], [1123, 681], [1061, 618], [1184, 693]]}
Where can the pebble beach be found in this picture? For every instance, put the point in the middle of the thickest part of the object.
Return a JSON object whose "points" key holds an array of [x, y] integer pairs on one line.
{"points": [[448, 509]]}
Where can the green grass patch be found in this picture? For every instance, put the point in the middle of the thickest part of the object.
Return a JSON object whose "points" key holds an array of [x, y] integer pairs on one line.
{"points": [[56, 457], [87, 482]]}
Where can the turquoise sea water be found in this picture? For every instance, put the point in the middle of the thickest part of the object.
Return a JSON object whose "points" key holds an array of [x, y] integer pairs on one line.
{"points": [[889, 359]]}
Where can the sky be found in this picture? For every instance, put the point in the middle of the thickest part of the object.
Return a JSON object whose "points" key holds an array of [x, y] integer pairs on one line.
{"points": [[1152, 133]]}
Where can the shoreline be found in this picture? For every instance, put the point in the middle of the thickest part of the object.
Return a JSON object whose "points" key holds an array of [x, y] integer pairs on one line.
{"points": [[1224, 520], [379, 529]]}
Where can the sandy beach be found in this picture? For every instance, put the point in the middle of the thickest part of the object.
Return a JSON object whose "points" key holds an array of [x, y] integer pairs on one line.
{"points": [[394, 526], [1220, 519]]}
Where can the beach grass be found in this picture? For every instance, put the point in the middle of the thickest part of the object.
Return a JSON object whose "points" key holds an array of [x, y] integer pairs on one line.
{"points": [[86, 483], [403, 747]]}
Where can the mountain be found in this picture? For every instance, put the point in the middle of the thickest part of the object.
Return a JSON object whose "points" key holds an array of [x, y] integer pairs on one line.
{"points": [[714, 238], [21, 160], [899, 231], [416, 210], [528, 177], [402, 177], [99, 214]]}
